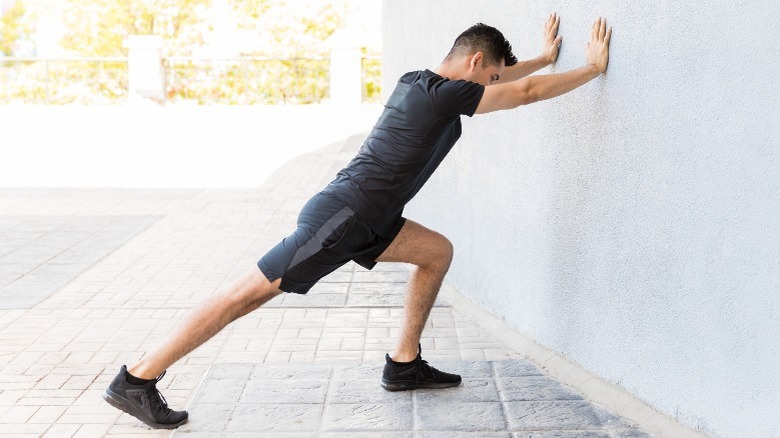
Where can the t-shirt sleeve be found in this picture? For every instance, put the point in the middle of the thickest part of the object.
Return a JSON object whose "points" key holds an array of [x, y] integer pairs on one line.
{"points": [[453, 98]]}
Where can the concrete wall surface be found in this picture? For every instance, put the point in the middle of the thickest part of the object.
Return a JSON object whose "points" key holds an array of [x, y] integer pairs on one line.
{"points": [[632, 225]]}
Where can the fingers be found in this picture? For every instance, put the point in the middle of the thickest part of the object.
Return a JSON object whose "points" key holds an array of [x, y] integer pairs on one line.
{"points": [[599, 31], [602, 29], [552, 23]]}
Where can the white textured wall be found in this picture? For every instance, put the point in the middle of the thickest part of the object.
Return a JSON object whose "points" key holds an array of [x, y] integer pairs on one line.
{"points": [[633, 224]]}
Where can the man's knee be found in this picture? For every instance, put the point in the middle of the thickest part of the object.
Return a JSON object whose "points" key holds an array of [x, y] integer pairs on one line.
{"points": [[419, 246], [441, 256], [253, 289], [448, 250]]}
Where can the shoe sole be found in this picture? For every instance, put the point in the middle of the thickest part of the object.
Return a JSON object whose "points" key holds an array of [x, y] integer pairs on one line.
{"points": [[123, 405], [406, 385]]}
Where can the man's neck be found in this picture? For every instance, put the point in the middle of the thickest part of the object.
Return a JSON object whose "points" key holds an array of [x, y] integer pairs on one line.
{"points": [[445, 70]]}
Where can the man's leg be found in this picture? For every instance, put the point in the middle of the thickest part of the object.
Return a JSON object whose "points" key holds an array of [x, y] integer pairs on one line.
{"points": [[134, 391], [431, 253], [240, 297]]}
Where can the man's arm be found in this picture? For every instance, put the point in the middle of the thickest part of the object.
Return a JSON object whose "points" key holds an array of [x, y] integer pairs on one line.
{"points": [[522, 69], [535, 88], [552, 42]]}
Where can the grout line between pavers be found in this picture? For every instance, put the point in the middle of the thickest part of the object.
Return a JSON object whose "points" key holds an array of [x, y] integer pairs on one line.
{"points": [[194, 393], [414, 413], [351, 282], [368, 318], [327, 396], [500, 395]]}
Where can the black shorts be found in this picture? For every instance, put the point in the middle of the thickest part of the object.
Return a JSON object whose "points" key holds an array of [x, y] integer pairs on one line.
{"points": [[329, 235]]}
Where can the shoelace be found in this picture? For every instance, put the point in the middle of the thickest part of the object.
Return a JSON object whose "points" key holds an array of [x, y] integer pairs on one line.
{"points": [[423, 365], [162, 403]]}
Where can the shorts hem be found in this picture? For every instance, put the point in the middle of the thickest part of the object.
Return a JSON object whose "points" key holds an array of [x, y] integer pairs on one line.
{"points": [[285, 285], [268, 273], [295, 288], [369, 261]]}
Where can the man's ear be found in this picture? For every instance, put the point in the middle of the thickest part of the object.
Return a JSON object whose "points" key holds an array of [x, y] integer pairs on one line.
{"points": [[476, 61]]}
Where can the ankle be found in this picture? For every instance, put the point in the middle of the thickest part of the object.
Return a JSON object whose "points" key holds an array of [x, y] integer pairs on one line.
{"points": [[400, 356], [140, 371], [133, 380]]}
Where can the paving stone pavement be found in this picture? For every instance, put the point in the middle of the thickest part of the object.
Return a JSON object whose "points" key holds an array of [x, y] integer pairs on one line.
{"points": [[496, 399], [157, 252], [40, 254]]}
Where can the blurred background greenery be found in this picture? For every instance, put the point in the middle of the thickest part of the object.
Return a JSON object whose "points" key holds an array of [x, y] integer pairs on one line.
{"points": [[215, 51]]}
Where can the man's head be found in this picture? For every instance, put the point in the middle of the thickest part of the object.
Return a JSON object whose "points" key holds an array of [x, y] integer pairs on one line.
{"points": [[480, 54]]}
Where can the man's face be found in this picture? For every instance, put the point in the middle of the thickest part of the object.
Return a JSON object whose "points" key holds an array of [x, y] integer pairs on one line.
{"points": [[487, 74]]}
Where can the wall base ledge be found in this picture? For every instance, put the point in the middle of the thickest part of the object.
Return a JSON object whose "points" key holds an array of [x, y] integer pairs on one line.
{"points": [[591, 386]]}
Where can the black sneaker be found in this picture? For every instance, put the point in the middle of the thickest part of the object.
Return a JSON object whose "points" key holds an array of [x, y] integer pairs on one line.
{"points": [[143, 402], [402, 376]]}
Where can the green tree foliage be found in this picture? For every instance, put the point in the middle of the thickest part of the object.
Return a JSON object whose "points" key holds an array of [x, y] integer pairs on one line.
{"points": [[98, 27], [14, 25], [293, 34], [275, 50], [297, 28], [251, 9], [285, 50], [282, 28]]}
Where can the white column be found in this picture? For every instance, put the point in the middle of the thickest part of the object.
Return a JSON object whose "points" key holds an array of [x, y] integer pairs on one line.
{"points": [[346, 67], [145, 69]]}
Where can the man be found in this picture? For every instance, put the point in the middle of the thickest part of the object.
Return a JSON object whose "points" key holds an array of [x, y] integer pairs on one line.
{"points": [[358, 216]]}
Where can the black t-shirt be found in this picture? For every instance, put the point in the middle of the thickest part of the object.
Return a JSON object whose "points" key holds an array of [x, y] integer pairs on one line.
{"points": [[419, 126]]}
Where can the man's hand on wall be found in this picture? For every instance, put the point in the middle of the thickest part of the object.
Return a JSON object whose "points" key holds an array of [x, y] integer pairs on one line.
{"points": [[552, 41], [597, 51], [512, 92]]}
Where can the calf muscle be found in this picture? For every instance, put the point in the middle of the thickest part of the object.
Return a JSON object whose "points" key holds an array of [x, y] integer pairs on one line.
{"points": [[240, 297]]}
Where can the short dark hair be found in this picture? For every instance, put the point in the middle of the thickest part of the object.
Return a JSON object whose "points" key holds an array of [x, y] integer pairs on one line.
{"points": [[486, 39]]}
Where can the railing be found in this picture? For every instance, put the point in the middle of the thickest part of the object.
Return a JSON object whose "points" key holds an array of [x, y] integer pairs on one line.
{"points": [[245, 80], [371, 67], [63, 80]]}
